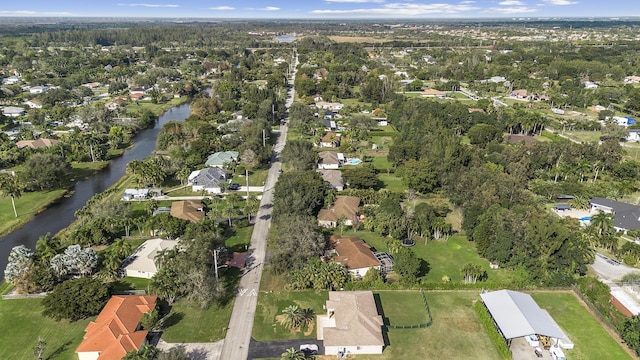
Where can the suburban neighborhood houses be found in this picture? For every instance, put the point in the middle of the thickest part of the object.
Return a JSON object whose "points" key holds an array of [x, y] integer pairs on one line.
{"points": [[302, 189]]}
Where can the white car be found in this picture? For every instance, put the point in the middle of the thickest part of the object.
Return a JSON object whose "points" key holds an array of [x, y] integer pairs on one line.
{"points": [[309, 348]]}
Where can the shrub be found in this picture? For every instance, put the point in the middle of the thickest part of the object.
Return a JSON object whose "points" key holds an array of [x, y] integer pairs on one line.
{"points": [[492, 331]]}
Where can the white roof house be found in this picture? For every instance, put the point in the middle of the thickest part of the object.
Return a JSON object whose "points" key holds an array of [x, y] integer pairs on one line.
{"points": [[13, 111], [518, 315], [141, 263]]}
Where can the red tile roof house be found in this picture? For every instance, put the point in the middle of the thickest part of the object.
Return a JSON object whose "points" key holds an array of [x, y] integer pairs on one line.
{"points": [[347, 206], [354, 254], [116, 330]]}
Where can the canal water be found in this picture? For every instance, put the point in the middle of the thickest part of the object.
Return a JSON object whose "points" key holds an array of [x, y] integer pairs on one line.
{"points": [[60, 215]]}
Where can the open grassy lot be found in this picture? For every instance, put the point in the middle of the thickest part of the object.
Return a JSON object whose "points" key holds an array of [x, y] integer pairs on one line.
{"points": [[402, 307], [584, 136], [188, 323], [21, 324], [590, 338], [392, 183], [456, 332], [239, 239], [381, 163], [27, 206], [131, 283], [444, 257], [271, 304]]}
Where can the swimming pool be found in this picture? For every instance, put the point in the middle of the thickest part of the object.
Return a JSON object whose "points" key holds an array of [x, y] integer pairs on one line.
{"points": [[354, 161]]}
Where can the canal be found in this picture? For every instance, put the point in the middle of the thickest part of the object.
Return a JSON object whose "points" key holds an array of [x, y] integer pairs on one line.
{"points": [[60, 215]]}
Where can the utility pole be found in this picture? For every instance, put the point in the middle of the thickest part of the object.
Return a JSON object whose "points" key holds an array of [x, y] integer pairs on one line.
{"points": [[273, 114], [264, 138], [246, 175], [215, 262]]}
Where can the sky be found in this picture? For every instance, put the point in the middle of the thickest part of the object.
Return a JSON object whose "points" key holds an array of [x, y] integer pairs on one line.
{"points": [[323, 9]]}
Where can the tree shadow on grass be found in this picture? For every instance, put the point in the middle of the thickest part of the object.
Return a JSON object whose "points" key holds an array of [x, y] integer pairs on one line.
{"points": [[172, 319], [58, 351], [385, 320]]}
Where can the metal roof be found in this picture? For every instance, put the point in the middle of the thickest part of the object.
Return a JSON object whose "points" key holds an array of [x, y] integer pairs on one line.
{"points": [[518, 315]]}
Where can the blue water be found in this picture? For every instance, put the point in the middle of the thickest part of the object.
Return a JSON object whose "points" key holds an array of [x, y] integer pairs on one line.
{"points": [[354, 161], [586, 218], [285, 38]]}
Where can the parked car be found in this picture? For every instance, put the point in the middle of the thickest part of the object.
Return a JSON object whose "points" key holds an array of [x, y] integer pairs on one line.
{"points": [[233, 186], [309, 349]]}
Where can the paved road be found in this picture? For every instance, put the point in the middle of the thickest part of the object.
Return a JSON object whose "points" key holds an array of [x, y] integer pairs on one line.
{"points": [[236, 343], [274, 349]]}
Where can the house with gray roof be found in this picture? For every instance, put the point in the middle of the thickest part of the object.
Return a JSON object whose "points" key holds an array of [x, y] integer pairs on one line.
{"points": [[221, 158], [625, 216], [209, 180], [334, 178]]}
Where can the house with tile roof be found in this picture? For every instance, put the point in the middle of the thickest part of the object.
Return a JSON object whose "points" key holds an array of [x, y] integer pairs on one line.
{"points": [[116, 330], [433, 93], [330, 139], [354, 254], [347, 206], [209, 180], [36, 144], [221, 158], [330, 160], [334, 178], [190, 210], [352, 324], [141, 263]]}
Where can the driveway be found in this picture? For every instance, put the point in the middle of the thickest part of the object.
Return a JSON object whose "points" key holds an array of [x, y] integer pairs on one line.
{"points": [[274, 349], [611, 270], [195, 351]]}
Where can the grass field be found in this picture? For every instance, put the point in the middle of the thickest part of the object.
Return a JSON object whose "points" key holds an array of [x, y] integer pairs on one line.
{"points": [[21, 324], [444, 257], [591, 340], [271, 304], [188, 323], [241, 238], [584, 136], [456, 332], [27, 206], [392, 183]]}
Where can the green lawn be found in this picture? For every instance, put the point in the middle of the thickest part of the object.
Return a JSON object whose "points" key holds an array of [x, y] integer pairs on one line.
{"points": [[187, 323], [456, 332], [131, 283], [402, 307], [381, 163], [392, 183], [241, 238], [590, 339], [21, 324], [444, 257], [28, 205], [256, 178], [271, 304], [584, 136]]}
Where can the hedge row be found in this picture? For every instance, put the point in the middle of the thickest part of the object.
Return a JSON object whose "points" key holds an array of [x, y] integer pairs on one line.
{"points": [[492, 331]]}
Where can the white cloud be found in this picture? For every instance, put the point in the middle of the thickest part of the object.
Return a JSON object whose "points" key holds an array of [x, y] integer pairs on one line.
{"points": [[511, 3], [402, 9], [511, 10], [467, 2], [560, 2], [152, 5], [222, 8], [269, 8], [354, 1], [32, 13]]}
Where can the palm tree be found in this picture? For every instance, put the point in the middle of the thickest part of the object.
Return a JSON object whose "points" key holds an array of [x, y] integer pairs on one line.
{"points": [[293, 354], [602, 223], [471, 272], [12, 187], [292, 317], [47, 247]]}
